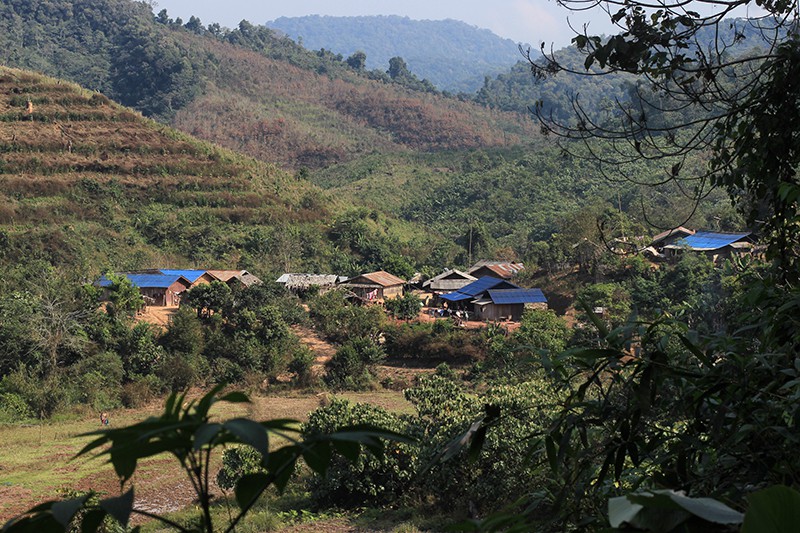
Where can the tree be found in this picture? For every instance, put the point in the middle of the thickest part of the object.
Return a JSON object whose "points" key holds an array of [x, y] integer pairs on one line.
{"points": [[357, 61], [701, 89], [404, 308], [398, 68]]}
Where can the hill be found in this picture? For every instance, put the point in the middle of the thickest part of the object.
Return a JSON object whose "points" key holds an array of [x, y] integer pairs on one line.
{"points": [[247, 89], [451, 54], [91, 185]]}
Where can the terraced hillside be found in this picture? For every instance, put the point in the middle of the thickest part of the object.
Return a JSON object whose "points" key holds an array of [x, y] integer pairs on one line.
{"points": [[88, 183]]}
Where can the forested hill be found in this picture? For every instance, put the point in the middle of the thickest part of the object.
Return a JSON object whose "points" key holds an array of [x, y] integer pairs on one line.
{"points": [[247, 88], [452, 55], [89, 185]]}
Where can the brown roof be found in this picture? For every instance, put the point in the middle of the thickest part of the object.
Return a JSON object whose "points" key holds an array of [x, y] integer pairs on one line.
{"points": [[381, 277], [504, 269], [679, 231], [224, 275]]}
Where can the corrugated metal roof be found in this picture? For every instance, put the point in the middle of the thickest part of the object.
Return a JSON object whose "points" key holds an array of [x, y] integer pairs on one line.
{"points": [[708, 240], [381, 277], [484, 284], [148, 281], [517, 296], [505, 269], [225, 275], [191, 275], [456, 296], [680, 230]]}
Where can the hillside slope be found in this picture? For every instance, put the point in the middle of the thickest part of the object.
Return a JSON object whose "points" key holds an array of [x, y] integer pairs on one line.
{"points": [[247, 89], [89, 184], [451, 54]]}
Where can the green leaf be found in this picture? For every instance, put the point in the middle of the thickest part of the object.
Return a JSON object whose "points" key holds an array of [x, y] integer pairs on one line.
{"points": [[318, 456], [235, 397], [249, 432], [550, 448], [120, 508], [249, 487], [205, 434], [348, 449], [92, 520], [64, 511], [773, 510], [280, 465]]}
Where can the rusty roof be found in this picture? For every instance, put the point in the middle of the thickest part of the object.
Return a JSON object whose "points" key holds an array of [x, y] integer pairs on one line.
{"points": [[381, 277], [504, 269]]}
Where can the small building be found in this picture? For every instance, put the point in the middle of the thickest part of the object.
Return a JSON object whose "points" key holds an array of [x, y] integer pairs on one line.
{"points": [[158, 289], [196, 277], [465, 297], [448, 281], [715, 245], [235, 277], [375, 286], [667, 238], [508, 304], [496, 269], [304, 282]]}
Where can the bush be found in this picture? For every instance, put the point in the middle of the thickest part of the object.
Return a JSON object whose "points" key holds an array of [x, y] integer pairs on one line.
{"points": [[351, 366], [369, 480], [98, 380], [301, 366], [140, 391], [236, 463], [13, 408], [42, 396]]}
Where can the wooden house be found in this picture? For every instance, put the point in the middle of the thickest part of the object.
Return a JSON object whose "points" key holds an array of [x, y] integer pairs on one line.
{"points": [[667, 238], [464, 298], [507, 304], [158, 289], [303, 282], [496, 269], [196, 277], [375, 286], [235, 277], [447, 281]]}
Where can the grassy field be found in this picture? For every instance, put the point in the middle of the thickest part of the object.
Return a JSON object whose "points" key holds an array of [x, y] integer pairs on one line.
{"points": [[36, 465]]}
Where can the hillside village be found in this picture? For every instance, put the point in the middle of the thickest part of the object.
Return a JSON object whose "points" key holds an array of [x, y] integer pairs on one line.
{"points": [[397, 308]]}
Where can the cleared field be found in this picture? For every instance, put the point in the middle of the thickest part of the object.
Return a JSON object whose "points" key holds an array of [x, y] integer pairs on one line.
{"points": [[36, 465]]}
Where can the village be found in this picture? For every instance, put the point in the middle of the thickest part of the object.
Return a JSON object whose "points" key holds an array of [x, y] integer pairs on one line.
{"points": [[483, 293]]}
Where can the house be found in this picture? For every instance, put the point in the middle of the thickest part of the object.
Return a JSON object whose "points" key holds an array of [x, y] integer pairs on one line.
{"points": [[235, 277], [464, 297], [508, 304], [448, 281], [303, 282], [496, 269], [196, 277], [375, 286], [714, 244], [669, 237], [158, 289]]}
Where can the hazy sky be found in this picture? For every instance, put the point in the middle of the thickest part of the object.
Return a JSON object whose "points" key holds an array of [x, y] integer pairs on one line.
{"points": [[524, 21]]}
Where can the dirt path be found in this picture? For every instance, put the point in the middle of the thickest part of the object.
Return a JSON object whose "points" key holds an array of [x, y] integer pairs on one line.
{"points": [[156, 315], [322, 349]]}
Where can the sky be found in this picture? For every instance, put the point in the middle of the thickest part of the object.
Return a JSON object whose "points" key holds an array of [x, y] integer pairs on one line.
{"points": [[523, 21]]}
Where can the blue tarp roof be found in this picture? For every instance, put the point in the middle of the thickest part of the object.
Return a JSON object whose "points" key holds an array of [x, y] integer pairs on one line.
{"points": [[158, 281], [191, 275], [708, 240], [517, 296]]}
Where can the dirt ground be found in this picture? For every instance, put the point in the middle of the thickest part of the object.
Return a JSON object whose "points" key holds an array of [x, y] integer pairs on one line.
{"points": [[156, 315]]}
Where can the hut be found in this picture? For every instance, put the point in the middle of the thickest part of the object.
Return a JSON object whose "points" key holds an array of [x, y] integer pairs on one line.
{"points": [[161, 290], [300, 283], [465, 297], [667, 238], [375, 286], [496, 269]]}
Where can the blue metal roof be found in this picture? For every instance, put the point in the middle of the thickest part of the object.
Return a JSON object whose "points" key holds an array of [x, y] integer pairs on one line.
{"points": [[156, 281], [484, 284], [708, 240], [517, 296], [456, 296], [191, 275]]}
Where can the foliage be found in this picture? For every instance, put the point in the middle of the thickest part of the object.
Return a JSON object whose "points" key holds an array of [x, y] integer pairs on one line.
{"points": [[340, 321], [370, 480], [124, 299], [188, 434], [351, 367], [406, 307]]}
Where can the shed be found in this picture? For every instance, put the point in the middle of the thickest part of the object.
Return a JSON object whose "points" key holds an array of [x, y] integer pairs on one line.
{"points": [[464, 298], [375, 286], [162, 289], [496, 269]]}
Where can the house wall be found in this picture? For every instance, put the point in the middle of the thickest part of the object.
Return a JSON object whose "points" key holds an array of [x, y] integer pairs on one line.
{"points": [[500, 312], [169, 297], [389, 293]]}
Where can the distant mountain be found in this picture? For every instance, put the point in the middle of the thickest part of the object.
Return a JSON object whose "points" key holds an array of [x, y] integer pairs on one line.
{"points": [[452, 55]]}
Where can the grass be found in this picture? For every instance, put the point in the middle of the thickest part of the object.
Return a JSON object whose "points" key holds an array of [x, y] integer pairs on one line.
{"points": [[36, 459]]}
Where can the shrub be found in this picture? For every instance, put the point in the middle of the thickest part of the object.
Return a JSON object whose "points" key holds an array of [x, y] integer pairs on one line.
{"points": [[301, 366], [236, 463], [140, 391], [350, 368], [13, 408], [369, 480]]}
